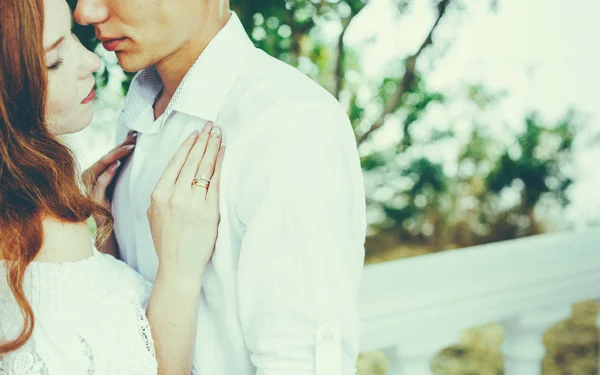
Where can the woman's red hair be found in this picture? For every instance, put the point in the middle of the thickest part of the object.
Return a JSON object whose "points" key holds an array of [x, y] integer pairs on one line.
{"points": [[38, 174]]}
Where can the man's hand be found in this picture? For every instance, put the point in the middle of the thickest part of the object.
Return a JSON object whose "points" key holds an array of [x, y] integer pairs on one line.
{"points": [[99, 176]]}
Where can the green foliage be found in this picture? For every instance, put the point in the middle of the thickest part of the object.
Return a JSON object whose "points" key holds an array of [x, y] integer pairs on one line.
{"points": [[423, 202], [426, 176], [373, 161], [537, 159]]}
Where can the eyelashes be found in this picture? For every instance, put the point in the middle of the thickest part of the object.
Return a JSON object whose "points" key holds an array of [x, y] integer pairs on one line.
{"points": [[56, 65], [60, 62]]}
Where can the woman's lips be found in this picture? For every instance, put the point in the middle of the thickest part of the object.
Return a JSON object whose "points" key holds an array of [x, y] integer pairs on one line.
{"points": [[113, 44], [90, 97]]}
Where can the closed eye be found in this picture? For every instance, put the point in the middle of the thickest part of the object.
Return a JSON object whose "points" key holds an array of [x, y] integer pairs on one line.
{"points": [[56, 65]]}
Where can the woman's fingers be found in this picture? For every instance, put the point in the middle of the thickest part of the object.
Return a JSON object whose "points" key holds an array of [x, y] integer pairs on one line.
{"points": [[207, 166], [115, 154], [212, 196], [92, 173], [184, 181], [99, 190], [169, 176], [182, 222]]}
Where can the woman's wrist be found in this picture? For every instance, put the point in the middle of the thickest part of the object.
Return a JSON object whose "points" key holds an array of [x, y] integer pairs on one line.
{"points": [[174, 278]]}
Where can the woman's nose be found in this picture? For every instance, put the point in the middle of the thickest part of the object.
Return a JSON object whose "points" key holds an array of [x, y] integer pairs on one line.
{"points": [[89, 63]]}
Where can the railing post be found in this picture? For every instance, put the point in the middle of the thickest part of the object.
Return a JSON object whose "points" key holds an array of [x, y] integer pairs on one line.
{"points": [[523, 346], [414, 357], [598, 325]]}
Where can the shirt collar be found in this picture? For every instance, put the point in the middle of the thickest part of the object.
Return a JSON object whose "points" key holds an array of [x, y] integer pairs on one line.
{"points": [[203, 89]]}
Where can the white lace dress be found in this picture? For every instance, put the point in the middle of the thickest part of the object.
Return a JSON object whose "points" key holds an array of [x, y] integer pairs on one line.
{"points": [[89, 320]]}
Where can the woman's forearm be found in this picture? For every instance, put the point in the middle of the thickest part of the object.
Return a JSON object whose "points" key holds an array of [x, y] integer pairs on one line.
{"points": [[183, 217], [173, 316]]}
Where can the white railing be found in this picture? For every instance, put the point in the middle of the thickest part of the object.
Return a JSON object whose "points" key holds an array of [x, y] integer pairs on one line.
{"points": [[412, 308]]}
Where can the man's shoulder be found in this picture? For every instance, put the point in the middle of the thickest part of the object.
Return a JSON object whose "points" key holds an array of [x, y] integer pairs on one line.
{"points": [[277, 104], [268, 81]]}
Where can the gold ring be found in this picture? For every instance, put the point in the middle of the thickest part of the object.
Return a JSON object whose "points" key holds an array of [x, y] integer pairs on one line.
{"points": [[201, 182]]}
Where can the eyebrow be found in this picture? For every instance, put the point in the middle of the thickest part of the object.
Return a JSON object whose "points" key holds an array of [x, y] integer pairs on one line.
{"points": [[61, 39], [55, 44]]}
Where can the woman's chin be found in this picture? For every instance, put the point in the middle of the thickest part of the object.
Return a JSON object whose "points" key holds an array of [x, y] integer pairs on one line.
{"points": [[79, 123]]}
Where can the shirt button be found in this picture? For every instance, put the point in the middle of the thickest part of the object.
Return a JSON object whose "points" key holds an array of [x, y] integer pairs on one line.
{"points": [[328, 334]]}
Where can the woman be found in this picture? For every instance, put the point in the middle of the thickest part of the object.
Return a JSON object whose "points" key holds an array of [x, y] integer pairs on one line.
{"points": [[66, 308]]}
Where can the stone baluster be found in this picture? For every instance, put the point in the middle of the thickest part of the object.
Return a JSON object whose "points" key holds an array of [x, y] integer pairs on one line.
{"points": [[598, 325], [523, 347], [415, 355]]}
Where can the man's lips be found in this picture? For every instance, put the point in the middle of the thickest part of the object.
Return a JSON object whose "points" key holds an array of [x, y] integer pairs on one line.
{"points": [[90, 97], [112, 44]]}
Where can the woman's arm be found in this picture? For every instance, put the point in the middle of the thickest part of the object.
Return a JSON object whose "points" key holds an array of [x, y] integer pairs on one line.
{"points": [[183, 220], [173, 316]]}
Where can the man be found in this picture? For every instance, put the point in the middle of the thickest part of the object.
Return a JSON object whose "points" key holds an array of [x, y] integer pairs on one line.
{"points": [[280, 293]]}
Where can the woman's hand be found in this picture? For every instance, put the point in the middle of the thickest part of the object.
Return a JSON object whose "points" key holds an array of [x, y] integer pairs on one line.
{"points": [[184, 216], [99, 176]]}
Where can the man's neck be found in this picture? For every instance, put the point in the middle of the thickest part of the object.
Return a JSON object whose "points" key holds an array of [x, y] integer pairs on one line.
{"points": [[174, 67]]}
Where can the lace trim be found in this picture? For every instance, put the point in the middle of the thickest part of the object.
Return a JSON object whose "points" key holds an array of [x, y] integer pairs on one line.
{"points": [[25, 361], [145, 330], [87, 351]]}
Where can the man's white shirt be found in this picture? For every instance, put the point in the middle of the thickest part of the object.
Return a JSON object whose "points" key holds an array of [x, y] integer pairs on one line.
{"points": [[280, 295]]}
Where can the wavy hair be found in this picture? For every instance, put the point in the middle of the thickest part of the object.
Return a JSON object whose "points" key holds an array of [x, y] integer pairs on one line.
{"points": [[38, 173]]}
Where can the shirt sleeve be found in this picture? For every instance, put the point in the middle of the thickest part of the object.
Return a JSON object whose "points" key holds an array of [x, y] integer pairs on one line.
{"points": [[303, 210]]}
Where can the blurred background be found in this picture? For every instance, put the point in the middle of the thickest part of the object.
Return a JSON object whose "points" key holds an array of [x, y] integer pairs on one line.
{"points": [[476, 122]]}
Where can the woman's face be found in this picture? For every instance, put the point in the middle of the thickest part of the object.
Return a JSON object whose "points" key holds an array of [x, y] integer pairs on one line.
{"points": [[69, 105]]}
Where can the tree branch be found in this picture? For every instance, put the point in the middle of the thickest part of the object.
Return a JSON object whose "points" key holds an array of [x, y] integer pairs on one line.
{"points": [[340, 63], [298, 31], [408, 79]]}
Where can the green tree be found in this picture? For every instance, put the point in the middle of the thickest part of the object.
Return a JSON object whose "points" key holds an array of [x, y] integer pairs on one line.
{"points": [[537, 161], [423, 200]]}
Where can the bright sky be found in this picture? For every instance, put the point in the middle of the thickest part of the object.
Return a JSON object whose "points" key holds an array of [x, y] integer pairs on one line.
{"points": [[545, 53]]}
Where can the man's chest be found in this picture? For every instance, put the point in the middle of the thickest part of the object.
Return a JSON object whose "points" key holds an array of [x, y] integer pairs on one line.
{"points": [[133, 198], [151, 156]]}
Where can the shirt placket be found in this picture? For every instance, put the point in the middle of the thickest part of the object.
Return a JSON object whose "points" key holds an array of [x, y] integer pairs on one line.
{"points": [[133, 201]]}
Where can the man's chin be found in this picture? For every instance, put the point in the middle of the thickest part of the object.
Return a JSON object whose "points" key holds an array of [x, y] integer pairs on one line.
{"points": [[129, 63]]}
